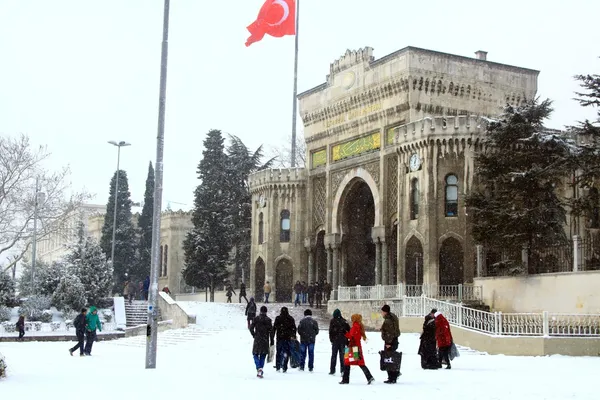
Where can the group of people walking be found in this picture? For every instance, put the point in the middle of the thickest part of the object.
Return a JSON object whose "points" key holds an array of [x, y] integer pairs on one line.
{"points": [[314, 293], [86, 324], [437, 345]]}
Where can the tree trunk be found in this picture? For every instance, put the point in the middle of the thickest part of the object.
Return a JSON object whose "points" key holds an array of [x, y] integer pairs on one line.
{"points": [[212, 290]]}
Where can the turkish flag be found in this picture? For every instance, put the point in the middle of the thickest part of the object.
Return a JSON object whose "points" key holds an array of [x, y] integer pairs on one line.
{"points": [[276, 18]]}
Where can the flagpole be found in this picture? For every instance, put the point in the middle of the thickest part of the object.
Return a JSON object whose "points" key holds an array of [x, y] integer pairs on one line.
{"points": [[295, 100]]}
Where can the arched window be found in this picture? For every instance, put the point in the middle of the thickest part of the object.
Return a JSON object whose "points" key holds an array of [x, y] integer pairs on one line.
{"points": [[261, 229], [284, 235], [451, 208], [166, 257], [414, 198], [160, 261]]}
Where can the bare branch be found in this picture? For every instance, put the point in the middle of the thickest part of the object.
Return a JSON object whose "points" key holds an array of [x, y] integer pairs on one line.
{"points": [[282, 154]]}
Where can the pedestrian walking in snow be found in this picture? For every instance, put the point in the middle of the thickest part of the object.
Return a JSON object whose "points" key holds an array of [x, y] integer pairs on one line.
{"points": [[327, 291], [304, 292], [318, 294], [443, 336], [311, 294], [79, 324], [427, 347], [353, 353], [308, 329], [230, 292], [298, 292], [146, 287], [20, 325], [92, 323], [338, 327], [128, 291], [243, 292], [267, 292], [260, 329], [285, 329], [390, 331], [250, 311]]}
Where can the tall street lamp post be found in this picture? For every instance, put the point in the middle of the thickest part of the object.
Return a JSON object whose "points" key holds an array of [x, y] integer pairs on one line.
{"points": [[39, 199], [114, 230]]}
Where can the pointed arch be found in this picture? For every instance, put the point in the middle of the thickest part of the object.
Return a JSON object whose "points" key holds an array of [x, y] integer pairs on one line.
{"points": [[343, 190]]}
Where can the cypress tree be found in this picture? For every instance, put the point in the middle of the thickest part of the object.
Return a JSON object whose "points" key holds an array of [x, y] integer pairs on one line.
{"points": [[125, 238], [145, 229], [208, 245]]}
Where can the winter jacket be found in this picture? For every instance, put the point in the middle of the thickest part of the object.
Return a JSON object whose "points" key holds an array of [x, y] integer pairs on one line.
{"points": [[354, 338], [390, 330], [427, 349], [319, 292], [311, 291], [79, 323], [260, 329], [126, 289], [243, 290], [147, 284], [298, 288], [251, 310], [267, 288], [308, 329], [284, 326], [338, 327], [92, 321], [20, 323], [230, 291], [443, 335]]}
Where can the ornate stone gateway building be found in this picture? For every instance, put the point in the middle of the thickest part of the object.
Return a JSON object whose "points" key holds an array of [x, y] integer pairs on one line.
{"points": [[390, 147]]}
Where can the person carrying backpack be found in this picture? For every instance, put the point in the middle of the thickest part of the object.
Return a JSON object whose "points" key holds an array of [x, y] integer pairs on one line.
{"points": [[79, 324]]}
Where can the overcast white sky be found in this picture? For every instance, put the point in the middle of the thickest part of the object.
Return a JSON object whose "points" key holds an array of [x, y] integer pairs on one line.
{"points": [[76, 73]]}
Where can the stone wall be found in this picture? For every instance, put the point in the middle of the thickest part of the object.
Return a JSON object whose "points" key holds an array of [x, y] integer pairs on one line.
{"points": [[569, 292], [171, 311]]}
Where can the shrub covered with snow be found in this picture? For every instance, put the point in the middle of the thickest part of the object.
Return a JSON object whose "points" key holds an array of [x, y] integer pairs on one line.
{"points": [[46, 316], [107, 315], [7, 290], [3, 366], [33, 308], [4, 314], [9, 327], [69, 294]]}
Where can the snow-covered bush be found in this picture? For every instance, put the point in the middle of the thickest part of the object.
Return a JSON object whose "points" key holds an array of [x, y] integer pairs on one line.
{"points": [[9, 327], [7, 290], [3, 366], [33, 326], [4, 314], [107, 302], [46, 316], [70, 315], [107, 315], [69, 294], [55, 326], [34, 307]]}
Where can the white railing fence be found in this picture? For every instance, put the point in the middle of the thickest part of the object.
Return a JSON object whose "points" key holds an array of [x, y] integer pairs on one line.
{"points": [[56, 328], [498, 323], [463, 292]]}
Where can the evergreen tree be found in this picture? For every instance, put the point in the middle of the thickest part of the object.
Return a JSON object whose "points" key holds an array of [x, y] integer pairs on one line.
{"points": [[125, 237], [586, 162], [145, 228], [7, 290], [24, 281], [519, 168], [242, 163], [69, 294], [88, 262], [208, 245]]}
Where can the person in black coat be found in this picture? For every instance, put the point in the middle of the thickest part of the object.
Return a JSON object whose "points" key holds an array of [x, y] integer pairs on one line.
{"points": [[243, 293], [285, 329], [311, 294], [427, 349], [318, 294], [250, 311], [338, 327], [261, 329], [79, 324], [308, 329]]}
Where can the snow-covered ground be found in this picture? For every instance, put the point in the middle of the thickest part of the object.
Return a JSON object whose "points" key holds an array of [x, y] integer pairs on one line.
{"points": [[213, 359]]}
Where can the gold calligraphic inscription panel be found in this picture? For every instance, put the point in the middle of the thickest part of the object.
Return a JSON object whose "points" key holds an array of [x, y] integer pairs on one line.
{"points": [[319, 158], [357, 146], [349, 116]]}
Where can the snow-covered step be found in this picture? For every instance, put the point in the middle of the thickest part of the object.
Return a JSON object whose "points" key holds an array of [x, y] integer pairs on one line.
{"points": [[168, 338]]}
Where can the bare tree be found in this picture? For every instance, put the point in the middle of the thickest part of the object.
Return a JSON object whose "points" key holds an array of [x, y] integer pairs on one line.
{"points": [[282, 154], [20, 167]]}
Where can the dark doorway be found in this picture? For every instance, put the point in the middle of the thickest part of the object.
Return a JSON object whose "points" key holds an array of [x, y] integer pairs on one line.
{"points": [[393, 254], [259, 279], [451, 262], [413, 262], [284, 281], [358, 219], [320, 258]]}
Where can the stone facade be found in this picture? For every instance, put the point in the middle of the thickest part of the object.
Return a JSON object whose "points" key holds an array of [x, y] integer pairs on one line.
{"points": [[390, 147]]}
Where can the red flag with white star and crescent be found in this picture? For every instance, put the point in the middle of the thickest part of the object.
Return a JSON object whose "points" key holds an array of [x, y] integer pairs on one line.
{"points": [[276, 18]]}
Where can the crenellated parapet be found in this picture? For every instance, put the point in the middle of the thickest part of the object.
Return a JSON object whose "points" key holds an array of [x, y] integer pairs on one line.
{"points": [[277, 178], [350, 59]]}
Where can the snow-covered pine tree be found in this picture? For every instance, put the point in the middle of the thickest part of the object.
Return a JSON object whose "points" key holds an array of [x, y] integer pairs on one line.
{"points": [[88, 262], [207, 246], [69, 294], [145, 230], [24, 281], [7, 290], [242, 163], [515, 202], [50, 277], [586, 162], [125, 238]]}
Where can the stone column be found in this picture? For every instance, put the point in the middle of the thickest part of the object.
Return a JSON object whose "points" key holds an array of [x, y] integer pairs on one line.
{"points": [[377, 262], [335, 247], [329, 265], [309, 246], [342, 266], [385, 264]]}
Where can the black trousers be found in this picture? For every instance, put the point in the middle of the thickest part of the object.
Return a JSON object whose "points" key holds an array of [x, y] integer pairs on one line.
{"points": [[79, 345], [243, 296], [21, 333], [90, 338], [365, 370], [393, 375], [337, 352], [444, 354]]}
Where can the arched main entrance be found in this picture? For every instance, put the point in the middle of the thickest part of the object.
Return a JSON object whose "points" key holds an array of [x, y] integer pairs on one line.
{"points": [[320, 258], [413, 262], [284, 281], [259, 279], [358, 218], [451, 262]]}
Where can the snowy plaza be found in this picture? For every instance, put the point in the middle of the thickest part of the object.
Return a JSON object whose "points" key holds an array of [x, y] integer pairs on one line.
{"points": [[214, 357]]}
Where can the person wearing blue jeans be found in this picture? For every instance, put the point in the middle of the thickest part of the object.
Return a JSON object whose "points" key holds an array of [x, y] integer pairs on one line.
{"points": [[308, 329], [260, 329], [298, 291], [285, 330]]}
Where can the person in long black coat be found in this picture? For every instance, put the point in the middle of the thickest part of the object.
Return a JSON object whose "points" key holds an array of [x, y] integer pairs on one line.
{"points": [[427, 349], [338, 327], [260, 329]]}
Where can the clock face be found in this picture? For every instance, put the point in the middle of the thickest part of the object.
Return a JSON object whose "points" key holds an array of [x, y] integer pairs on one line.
{"points": [[415, 162]]}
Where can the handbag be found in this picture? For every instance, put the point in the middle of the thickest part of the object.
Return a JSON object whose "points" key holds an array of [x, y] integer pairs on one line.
{"points": [[453, 352], [390, 360], [351, 355]]}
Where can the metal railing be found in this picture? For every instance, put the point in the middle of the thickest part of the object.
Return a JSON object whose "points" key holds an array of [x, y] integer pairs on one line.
{"points": [[501, 324], [56, 328], [462, 292]]}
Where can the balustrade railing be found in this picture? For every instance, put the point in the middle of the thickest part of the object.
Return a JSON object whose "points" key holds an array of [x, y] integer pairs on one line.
{"points": [[55, 328], [463, 292]]}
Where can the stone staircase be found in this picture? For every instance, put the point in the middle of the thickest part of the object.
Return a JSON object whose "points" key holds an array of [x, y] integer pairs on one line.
{"points": [[136, 313]]}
